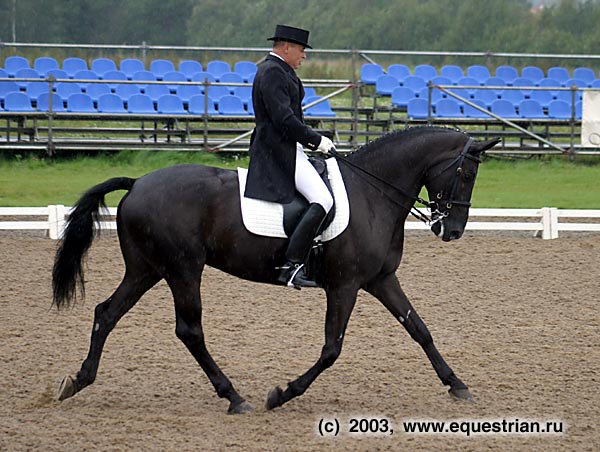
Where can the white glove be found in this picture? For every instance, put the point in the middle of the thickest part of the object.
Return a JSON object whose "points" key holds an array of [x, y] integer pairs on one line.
{"points": [[325, 145]]}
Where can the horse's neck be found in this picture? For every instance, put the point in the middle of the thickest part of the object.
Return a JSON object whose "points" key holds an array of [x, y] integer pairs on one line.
{"points": [[402, 165]]}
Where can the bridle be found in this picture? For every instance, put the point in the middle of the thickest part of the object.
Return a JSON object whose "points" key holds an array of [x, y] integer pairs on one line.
{"points": [[437, 214]]}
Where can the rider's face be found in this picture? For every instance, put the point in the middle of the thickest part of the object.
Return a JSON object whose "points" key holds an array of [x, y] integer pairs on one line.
{"points": [[294, 54]]}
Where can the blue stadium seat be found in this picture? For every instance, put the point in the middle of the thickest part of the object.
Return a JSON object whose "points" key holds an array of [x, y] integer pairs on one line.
{"points": [[126, 90], [487, 96], [57, 74], [478, 72], [320, 109], [197, 105], [584, 73], [202, 76], [185, 92], [472, 112], [73, 65], [251, 109], [578, 110], [130, 66], [65, 89], [441, 80], [114, 75], [542, 97], [189, 68], [85, 75], [34, 89], [80, 103], [400, 71], [507, 73], [564, 95], [370, 72], [174, 76], [453, 72], [96, 90], [468, 81], [415, 83], [559, 109], [13, 63], [231, 106], [43, 102], [110, 103], [8, 87], [160, 67], [401, 96], [514, 96], [170, 105], [17, 102], [595, 83], [3, 73], [218, 68], [45, 64], [530, 109], [216, 92], [436, 95], [143, 76], [231, 77], [386, 84], [448, 108], [417, 109], [495, 81], [578, 83], [425, 71], [525, 83], [245, 93], [533, 73], [26, 73], [102, 65], [465, 93], [140, 104], [559, 73], [155, 92], [504, 109], [309, 91], [548, 82], [246, 69]]}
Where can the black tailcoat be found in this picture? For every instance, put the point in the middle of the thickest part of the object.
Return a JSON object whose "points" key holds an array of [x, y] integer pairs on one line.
{"points": [[277, 94]]}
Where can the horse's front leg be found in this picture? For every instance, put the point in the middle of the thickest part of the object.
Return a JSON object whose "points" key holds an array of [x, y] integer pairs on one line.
{"points": [[387, 290], [340, 303]]}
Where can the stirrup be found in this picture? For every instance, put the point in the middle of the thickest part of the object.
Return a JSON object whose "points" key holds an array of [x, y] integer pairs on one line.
{"points": [[294, 276]]}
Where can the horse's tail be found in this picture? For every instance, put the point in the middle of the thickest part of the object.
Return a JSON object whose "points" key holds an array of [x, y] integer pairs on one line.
{"points": [[77, 238]]}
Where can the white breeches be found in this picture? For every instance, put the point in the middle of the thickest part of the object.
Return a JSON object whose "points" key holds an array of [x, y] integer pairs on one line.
{"points": [[309, 183]]}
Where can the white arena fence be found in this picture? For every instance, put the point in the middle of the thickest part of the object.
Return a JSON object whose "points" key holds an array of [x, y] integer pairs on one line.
{"points": [[545, 222]]}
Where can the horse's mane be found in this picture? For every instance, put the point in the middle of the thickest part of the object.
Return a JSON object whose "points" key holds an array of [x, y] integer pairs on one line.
{"points": [[404, 134]]}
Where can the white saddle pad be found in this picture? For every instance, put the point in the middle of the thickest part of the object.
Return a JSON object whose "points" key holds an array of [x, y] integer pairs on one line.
{"points": [[266, 218]]}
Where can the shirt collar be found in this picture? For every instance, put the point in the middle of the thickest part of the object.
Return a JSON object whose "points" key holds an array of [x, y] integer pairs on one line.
{"points": [[275, 55]]}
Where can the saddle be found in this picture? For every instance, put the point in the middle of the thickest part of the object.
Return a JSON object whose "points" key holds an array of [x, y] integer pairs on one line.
{"points": [[292, 212]]}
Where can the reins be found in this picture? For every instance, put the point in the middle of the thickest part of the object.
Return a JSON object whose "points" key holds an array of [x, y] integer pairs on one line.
{"points": [[432, 205]]}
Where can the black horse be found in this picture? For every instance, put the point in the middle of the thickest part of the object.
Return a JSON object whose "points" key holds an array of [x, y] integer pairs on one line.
{"points": [[176, 220]]}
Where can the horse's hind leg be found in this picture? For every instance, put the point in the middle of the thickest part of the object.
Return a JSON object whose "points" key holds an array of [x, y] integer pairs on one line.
{"points": [[188, 310], [138, 279], [387, 290]]}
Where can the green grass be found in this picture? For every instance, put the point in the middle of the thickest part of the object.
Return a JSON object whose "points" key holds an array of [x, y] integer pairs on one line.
{"points": [[552, 182]]}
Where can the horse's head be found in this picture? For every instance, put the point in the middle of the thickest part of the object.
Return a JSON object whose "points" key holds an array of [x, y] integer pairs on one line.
{"points": [[450, 185]]}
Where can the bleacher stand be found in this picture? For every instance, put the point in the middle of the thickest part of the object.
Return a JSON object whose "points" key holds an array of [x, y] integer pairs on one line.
{"points": [[559, 73], [143, 76], [13, 63], [369, 73], [507, 73], [185, 92], [43, 102], [17, 102], [110, 103], [114, 75], [129, 66], [174, 76], [218, 68], [448, 108], [26, 73], [57, 74], [246, 69], [45, 64], [80, 103], [400, 71], [533, 73], [140, 104], [479, 73], [530, 109], [401, 96], [160, 67], [584, 73], [73, 65], [170, 104], [95, 90], [425, 71], [472, 112], [102, 65], [386, 84], [231, 106], [65, 90], [452, 72], [34, 89], [155, 92], [197, 105], [85, 75], [558, 109], [320, 109], [417, 109], [504, 109]]}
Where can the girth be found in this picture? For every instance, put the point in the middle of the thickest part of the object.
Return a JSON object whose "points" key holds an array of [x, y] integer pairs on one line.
{"points": [[292, 212]]}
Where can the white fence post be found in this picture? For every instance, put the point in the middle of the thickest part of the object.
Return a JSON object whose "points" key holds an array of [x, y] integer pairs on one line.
{"points": [[56, 221], [549, 223], [553, 223]]}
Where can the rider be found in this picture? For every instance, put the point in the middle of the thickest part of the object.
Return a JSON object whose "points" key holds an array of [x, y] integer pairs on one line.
{"points": [[278, 165]]}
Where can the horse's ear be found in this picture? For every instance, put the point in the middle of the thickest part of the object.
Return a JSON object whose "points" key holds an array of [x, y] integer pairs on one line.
{"points": [[479, 147]]}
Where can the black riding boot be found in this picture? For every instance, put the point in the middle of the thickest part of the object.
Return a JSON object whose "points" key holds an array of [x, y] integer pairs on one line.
{"points": [[292, 273]]}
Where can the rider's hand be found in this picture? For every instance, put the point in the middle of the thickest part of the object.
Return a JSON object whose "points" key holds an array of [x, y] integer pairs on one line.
{"points": [[325, 145]]}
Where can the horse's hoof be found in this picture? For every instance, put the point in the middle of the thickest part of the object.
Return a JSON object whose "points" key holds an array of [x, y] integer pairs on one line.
{"points": [[461, 394], [274, 398], [67, 389], [240, 408]]}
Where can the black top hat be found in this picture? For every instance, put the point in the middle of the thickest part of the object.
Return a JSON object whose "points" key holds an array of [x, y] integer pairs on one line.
{"points": [[291, 34]]}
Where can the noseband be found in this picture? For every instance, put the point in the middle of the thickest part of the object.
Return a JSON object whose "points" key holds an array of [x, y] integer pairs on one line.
{"points": [[436, 214]]}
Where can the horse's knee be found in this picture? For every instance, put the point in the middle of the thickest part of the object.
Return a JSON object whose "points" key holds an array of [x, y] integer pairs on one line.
{"points": [[417, 329], [330, 353], [189, 333]]}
